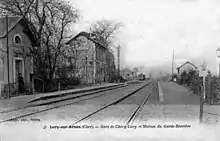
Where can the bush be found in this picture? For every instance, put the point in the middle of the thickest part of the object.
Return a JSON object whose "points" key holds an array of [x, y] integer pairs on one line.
{"points": [[50, 85], [113, 79], [192, 80], [73, 81]]}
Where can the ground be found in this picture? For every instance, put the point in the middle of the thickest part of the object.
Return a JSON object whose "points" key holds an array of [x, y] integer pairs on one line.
{"points": [[180, 107]]}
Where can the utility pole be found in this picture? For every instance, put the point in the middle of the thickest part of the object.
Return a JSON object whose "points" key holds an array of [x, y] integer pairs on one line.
{"points": [[202, 100], [172, 63], [203, 74], [201, 107], [7, 56], [119, 63], [219, 67], [86, 70]]}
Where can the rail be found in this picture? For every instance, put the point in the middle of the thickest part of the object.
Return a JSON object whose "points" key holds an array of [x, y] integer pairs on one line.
{"points": [[112, 103], [95, 93]]}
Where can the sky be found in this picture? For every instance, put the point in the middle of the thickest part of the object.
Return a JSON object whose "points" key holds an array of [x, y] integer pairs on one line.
{"points": [[152, 29]]}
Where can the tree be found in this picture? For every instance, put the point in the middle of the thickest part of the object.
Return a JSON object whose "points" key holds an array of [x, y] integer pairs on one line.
{"points": [[104, 31], [49, 21], [76, 56]]}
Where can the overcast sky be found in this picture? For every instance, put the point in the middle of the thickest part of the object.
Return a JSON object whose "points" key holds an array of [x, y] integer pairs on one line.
{"points": [[153, 28]]}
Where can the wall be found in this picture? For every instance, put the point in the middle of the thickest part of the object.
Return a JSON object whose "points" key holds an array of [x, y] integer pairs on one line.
{"points": [[96, 70], [101, 65], [84, 48], [110, 66], [28, 68]]}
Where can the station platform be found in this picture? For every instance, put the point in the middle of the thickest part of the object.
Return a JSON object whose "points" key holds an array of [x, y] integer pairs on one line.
{"points": [[21, 101]]}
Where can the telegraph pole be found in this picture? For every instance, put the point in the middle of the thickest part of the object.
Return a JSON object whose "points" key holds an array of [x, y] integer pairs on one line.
{"points": [[7, 55], [203, 74], [86, 70], [172, 64], [119, 63]]}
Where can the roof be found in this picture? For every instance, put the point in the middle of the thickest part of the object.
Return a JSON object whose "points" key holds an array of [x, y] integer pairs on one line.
{"points": [[12, 22], [187, 62], [87, 35], [126, 70]]}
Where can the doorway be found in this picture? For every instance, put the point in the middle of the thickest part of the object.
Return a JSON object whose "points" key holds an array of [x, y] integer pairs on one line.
{"points": [[18, 67]]}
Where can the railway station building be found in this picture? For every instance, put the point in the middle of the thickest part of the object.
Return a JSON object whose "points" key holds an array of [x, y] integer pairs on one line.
{"points": [[94, 63], [20, 40]]}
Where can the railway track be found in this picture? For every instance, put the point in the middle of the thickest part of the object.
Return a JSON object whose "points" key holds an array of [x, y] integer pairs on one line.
{"points": [[138, 109], [32, 108], [117, 101], [42, 102]]}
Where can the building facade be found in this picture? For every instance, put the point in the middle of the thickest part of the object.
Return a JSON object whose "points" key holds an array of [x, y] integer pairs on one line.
{"points": [[186, 67], [89, 58], [111, 68], [19, 41]]}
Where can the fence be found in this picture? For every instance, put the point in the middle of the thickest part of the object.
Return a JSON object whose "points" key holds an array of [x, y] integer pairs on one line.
{"points": [[55, 84], [212, 87], [213, 90]]}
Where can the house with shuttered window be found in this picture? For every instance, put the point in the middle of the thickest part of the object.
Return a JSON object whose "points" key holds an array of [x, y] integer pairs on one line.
{"points": [[94, 62]]}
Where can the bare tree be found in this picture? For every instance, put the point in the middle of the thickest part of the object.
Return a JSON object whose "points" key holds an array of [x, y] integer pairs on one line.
{"points": [[75, 56], [49, 21], [104, 31]]}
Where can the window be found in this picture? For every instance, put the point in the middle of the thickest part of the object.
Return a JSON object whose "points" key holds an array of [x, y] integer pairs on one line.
{"points": [[17, 39], [1, 47], [91, 62], [1, 68]]}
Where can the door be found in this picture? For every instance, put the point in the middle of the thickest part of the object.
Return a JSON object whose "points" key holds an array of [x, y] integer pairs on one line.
{"points": [[18, 68], [2, 75]]}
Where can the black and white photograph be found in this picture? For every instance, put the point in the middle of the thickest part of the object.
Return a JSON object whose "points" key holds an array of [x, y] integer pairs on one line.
{"points": [[109, 70]]}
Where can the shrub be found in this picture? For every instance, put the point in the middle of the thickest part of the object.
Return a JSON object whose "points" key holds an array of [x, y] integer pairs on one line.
{"points": [[73, 81], [113, 79], [192, 80]]}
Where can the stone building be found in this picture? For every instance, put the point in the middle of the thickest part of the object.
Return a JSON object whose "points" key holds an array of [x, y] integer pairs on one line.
{"points": [[186, 67], [111, 68], [20, 40], [89, 58]]}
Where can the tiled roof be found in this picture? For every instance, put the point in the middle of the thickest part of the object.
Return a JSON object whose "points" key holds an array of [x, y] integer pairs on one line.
{"points": [[87, 35], [12, 21], [187, 62]]}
